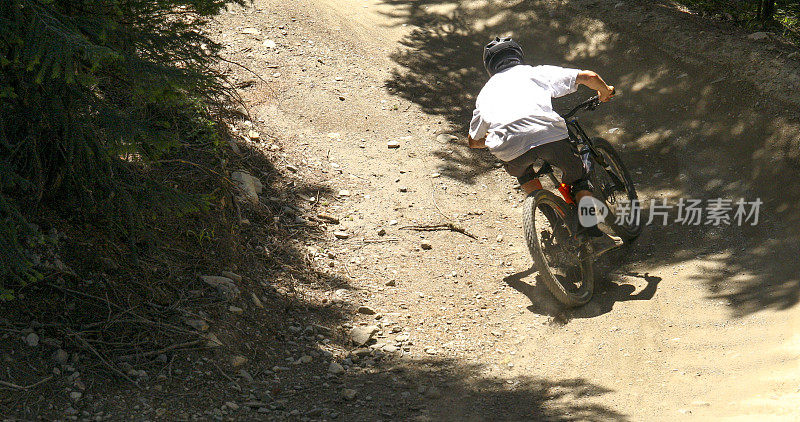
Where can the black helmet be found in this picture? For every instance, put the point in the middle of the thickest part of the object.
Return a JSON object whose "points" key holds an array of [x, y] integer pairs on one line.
{"points": [[500, 54]]}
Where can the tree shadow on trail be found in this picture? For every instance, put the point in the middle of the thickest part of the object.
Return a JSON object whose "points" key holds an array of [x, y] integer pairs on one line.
{"points": [[444, 390], [685, 126], [607, 293]]}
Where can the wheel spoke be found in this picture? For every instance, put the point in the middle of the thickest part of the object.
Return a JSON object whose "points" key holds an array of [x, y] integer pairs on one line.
{"points": [[556, 245], [615, 185], [547, 220]]}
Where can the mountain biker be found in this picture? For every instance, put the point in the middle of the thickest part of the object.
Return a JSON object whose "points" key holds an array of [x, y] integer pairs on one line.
{"points": [[514, 118]]}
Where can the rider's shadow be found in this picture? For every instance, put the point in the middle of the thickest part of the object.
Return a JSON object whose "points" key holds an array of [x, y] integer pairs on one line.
{"points": [[606, 294]]}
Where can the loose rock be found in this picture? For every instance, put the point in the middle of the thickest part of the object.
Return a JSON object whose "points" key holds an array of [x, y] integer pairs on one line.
{"points": [[256, 300], [335, 368], [212, 340], [61, 356], [197, 324], [361, 335], [328, 218], [366, 310], [362, 352], [349, 394], [245, 375], [32, 340], [426, 246], [393, 144], [233, 276], [237, 361], [341, 234], [224, 285], [250, 186]]}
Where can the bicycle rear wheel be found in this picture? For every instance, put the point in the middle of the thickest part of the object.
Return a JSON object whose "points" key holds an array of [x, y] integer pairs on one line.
{"points": [[555, 251], [613, 184]]}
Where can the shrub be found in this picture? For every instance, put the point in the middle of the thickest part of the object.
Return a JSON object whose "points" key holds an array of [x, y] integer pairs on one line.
{"points": [[89, 91]]}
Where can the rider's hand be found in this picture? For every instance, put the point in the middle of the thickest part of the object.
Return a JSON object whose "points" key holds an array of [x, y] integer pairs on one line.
{"points": [[476, 143], [606, 94]]}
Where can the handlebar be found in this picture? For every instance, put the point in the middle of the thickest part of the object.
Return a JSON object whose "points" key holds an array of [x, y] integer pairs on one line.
{"points": [[590, 104]]}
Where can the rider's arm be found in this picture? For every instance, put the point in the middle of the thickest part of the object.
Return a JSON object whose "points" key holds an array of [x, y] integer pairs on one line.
{"points": [[477, 131], [595, 82]]}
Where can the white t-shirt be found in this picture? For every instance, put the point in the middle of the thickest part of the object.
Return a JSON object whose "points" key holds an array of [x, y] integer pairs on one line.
{"points": [[515, 110]]}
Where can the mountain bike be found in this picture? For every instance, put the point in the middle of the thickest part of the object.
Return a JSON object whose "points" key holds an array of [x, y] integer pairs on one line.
{"points": [[565, 260]]}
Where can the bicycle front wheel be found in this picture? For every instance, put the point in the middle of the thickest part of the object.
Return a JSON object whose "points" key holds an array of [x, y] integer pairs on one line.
{"points": [[555, 251], [614, 184]]}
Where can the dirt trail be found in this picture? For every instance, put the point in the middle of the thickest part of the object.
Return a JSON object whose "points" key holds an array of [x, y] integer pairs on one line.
{"points": [[690, 322]]}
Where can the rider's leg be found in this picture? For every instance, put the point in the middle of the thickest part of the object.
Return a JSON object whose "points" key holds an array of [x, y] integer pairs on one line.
{"points": [[522, 168], [559, 154], [563, 155]]}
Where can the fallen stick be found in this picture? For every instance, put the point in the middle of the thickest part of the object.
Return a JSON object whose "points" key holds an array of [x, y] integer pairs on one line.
{"points": [[106, 301], [26, 387], [164, 350], [102, 359], [439, 227], [387, 240], [223, 372]]}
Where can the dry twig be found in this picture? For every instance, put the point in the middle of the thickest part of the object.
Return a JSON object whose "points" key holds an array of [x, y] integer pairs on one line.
{"points": [[223, 372], [164, 350], [106, 301], [25, 387], [99, 356], [387, 240], [439, 227]]}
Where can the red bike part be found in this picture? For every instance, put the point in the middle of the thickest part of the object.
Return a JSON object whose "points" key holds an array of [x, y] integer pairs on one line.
{"points": [[565, 192]]}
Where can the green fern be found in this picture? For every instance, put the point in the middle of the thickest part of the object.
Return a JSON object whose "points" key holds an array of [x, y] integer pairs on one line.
{"points": [[84, 83]]}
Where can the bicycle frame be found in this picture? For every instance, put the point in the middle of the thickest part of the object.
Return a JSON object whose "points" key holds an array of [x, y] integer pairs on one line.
{"points": [[577, 137], [583, 144]]}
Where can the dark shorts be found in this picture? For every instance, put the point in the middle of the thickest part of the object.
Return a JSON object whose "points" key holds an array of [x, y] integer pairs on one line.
{"points": [[559, 154]]}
